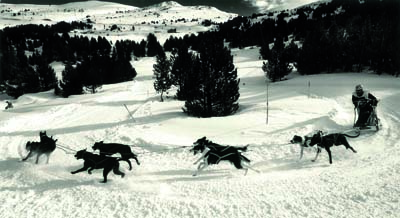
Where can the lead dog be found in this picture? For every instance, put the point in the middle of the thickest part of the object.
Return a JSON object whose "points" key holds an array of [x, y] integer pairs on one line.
{"points": [[46, 146], [304, 142], [213, 153], [113, 148], [95, 161]]}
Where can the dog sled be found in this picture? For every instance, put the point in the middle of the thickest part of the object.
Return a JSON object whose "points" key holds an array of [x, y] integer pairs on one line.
{"points": [[372, 123]]}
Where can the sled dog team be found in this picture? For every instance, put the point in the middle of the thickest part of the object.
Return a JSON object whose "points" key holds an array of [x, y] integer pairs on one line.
{"points": [[211, 153]]}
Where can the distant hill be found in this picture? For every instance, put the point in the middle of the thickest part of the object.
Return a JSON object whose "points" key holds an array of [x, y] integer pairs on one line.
{"points": [[232, 6]]}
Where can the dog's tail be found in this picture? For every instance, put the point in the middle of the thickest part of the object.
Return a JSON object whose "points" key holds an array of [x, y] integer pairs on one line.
{"points": [[244, 148], [352, 136]]}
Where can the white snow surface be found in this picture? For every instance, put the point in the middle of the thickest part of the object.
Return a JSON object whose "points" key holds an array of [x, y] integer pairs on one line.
{"points": [[156, 19], [362, 184]]}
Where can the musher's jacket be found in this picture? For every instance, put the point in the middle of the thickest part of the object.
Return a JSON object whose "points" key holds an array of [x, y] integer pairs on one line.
{"points": [[359, 100]]}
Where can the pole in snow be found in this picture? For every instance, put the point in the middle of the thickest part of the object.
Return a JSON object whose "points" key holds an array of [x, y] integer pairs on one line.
{"points": [[129, 113], [267, 112]]}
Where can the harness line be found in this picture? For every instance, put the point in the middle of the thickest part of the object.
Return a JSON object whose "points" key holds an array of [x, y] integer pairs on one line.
{"points": [[220, 157]]}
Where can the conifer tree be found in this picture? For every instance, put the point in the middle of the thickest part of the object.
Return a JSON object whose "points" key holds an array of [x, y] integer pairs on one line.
{"points": [[71, 83], [265, 51], [278, 64], [182, 67], [92, 72], [47, 76], [22, 78], [153, 46], [162, 73], [217, 91]]}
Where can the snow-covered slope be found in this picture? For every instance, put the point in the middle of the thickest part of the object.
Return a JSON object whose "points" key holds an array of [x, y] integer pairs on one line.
{"points": [[157, 19], [363, 184]]}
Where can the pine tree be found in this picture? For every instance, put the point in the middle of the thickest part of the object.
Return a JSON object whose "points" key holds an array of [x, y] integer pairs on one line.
{"points": [[153, 46], [217, 89], [22, 78], [265, 51], [311, 53], [47, 76], [92, 72], [71, 83], [278, 65], [162, 73], [182, 66]]}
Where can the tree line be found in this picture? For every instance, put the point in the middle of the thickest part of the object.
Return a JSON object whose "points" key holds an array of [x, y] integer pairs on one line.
{"points": [[336, 36], [28, 50]]}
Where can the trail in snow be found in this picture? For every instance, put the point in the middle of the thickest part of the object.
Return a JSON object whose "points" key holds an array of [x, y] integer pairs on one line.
{"points": [[363, 184]]}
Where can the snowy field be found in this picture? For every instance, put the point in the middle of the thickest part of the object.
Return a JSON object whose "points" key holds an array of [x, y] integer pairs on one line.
{"points": [[157, 19], [363, 184]]}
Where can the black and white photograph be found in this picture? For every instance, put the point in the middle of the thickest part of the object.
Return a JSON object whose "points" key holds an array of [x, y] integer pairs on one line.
{"points": [[200, 108]]}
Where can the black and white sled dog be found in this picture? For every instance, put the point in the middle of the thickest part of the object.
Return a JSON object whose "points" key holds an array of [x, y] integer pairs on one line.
{"points": [[95, 161], [324, 142], [46, 146], [108, 149], [304, 142], [212, 153]]}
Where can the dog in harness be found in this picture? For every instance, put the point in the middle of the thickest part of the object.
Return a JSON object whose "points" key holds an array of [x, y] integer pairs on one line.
{"points": [[212, 153], [304, 142], [327, 141]]}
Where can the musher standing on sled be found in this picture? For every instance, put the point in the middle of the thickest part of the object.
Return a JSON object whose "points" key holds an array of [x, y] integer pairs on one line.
{"points": [[365, 103]]}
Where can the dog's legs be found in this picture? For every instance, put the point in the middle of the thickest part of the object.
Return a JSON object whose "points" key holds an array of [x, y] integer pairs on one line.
{"points": [[126, 160], [84, 168], [329, 154], [245, 165], [245, 170], [90, 170], [117, 171], [106, 171], [347, 145], [316, 156], [137, 161], [201, 167], [201, 158], [301, 151], [26, 158], [48, 158], [129, 163], [37, 158]]}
